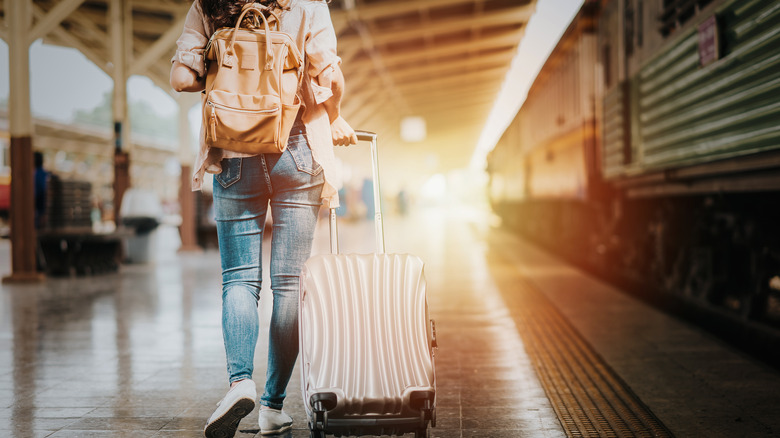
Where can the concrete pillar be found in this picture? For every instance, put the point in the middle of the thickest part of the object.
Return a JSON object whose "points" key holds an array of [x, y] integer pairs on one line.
{"points": [[120, 33], [187, 198], [24, 242]]}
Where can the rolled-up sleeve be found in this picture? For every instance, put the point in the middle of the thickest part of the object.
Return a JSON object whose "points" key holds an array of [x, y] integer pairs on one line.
{"points": [[321, 85], [321, 44], [193, 40]]}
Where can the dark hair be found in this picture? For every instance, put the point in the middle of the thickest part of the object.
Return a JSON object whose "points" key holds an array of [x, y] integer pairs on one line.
{"points": [[224, 13]]}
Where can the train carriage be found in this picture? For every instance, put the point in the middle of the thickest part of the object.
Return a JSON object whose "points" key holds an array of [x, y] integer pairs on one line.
{"points": [[648, 149]]}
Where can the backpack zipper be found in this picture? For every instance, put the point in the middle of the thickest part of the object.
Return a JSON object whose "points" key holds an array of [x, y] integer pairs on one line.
{"points": [[213, 126], [240, 110]]}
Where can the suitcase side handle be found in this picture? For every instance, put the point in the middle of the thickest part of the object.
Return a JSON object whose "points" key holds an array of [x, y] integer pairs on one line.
{"points": [[378, 224]]}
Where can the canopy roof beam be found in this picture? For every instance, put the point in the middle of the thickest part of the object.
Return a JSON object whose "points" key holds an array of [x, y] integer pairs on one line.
{"points": [[506, 40], [518, 14], [67, 38], [368, 45], [53, 18], [389, 9], [159, 48]]}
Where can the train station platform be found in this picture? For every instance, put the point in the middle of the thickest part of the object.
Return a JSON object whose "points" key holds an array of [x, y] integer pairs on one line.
{"points": [[528, 347]]}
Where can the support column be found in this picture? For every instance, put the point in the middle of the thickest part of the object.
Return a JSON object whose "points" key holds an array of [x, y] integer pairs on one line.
{"points": [[120, 14], [24, 241], [187, 198], [121, 179]]}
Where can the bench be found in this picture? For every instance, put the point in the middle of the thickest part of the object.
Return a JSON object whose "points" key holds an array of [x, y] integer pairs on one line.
{"points": [[80, 251]]}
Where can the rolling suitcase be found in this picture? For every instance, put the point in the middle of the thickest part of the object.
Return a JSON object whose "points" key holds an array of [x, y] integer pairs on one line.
{"points": [[366, 341]]}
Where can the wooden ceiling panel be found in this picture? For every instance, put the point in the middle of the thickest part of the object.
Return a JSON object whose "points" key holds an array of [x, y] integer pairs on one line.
{"points": [[446, 65]]}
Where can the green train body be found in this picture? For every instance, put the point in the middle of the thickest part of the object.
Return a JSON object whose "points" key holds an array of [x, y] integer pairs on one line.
{"points": [[648, 149], [710, 93]]}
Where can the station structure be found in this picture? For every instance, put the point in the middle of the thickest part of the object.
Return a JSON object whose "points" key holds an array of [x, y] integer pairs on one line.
{"points": [[440, 60], [623, 281]]}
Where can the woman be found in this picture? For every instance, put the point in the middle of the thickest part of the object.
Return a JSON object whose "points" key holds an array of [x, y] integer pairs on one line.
{"points": [[295, 183]]}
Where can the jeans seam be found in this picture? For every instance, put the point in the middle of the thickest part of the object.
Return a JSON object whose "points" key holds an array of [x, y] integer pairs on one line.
{"points": [[266, 174]]}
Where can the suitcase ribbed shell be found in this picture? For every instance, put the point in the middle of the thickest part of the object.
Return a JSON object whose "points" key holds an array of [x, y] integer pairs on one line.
{"points": [[364, 332]]}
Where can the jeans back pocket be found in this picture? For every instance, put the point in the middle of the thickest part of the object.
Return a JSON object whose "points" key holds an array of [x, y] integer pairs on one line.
{"points": [[231, 172], [302, 155]]}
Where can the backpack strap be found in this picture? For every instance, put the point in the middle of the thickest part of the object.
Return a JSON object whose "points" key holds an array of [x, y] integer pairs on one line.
{"points": [[278, 21], [257, 10]]}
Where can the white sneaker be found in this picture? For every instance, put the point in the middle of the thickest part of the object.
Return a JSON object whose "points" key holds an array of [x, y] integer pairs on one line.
{"points": [[237, 404], [273, 421]]}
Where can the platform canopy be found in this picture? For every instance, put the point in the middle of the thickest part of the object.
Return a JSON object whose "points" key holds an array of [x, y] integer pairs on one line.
{"points": [[441, 60]]}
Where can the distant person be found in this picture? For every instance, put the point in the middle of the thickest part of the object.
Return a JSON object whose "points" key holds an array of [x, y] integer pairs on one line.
{"points": [[403, 202], [295, 183], [41, 179], [342, 210]]}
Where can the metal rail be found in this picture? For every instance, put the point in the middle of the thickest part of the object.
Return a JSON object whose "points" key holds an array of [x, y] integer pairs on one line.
{"points": [[378, 223]]}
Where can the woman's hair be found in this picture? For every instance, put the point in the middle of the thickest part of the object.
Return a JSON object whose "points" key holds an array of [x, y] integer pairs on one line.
{"points": [[224, 13]]}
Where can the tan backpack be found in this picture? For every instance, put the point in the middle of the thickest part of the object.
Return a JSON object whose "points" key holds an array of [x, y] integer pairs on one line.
{"points": [[253, 75]]}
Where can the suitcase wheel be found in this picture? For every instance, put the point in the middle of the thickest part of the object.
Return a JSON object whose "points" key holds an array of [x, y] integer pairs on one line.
{"points": [[421, 433], [316, 433]]}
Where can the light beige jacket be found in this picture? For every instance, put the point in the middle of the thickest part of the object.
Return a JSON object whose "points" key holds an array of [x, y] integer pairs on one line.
{"points": [[308, 21]]}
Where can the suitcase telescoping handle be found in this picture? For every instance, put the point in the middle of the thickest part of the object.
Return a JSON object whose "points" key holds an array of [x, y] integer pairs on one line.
{"points": [[380, 233]]}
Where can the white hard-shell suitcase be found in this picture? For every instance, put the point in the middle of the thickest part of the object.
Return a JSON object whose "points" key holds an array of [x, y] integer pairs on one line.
{"points": [[366, 341]]}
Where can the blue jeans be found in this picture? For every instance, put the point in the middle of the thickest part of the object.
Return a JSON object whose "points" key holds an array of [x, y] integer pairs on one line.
{"points": [[292, 183]]}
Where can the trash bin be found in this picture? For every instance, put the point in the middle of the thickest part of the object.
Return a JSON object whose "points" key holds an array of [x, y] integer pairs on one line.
{"points": [[142, 213]]}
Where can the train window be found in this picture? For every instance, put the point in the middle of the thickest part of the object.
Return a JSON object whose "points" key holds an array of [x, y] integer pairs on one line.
{"points": [[675, 13]]}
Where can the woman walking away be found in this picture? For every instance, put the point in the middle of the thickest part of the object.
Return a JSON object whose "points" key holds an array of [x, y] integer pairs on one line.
{"points": [[294, 183]]}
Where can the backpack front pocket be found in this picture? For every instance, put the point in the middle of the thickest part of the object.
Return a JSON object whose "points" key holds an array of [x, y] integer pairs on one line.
{"points": [[242, 123]]}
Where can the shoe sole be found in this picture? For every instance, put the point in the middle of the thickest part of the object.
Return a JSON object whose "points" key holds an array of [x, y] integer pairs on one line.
{"points": [[276, 431], [226, 425]]}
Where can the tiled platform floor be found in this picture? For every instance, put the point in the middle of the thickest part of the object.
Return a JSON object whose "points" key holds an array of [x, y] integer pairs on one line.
{"points": [[139, 354]]}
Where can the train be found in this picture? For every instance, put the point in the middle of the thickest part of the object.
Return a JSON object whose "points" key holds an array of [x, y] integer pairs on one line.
{"points": [[648, 151]]}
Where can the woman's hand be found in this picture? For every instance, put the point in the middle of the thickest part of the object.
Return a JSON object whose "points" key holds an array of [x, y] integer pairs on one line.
{"points": [[343, 134]]}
